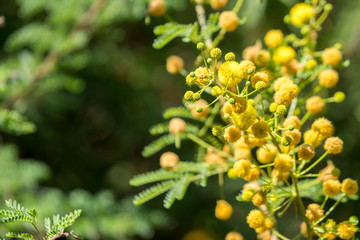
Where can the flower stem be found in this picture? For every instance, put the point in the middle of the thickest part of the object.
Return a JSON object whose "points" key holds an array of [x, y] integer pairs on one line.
{"points": [[314, 164]]}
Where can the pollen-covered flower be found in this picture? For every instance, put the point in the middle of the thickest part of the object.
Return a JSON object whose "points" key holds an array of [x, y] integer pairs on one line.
{"points": [[230, 73], [283, 162], [203, 75], [253, 174], [248, 68], [240, 105], [259, 199], [314, 212], [288, 91], [233, 236], [157, 8], [281, 82], [242, 168], [349, 187], [244, 120], [300, 14], [223, 210], [333, 145], [260, 76], [331, 187], [324, 126], [214, 158], [169, 160], [306, 152], [273, 38], [292, 121], [312, 137], [284, 54], [260, 129], [328, 78], [346, 230], [232, 134], [241, 150], [228, 20], [174, 64], [218, 4], [177, 125], [267, 153], [199, 104], [295, 136], [331, 56], [255, 219], [315, 104]]}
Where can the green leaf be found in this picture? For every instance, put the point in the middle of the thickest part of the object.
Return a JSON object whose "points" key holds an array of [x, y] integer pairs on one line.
{"points": [[154, 176], [59, 224], [170, 31], [177, 192], [159, 144], [25, 236], [179, 112], [153, 192], [164, 128], [13, 122]]}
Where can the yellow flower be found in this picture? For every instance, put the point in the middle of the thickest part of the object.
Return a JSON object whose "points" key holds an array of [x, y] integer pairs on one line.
{"points": [[331, 56], [240, 105], [283, 162], [331, 187], [288, 91], [255, 219], [203, 75], [346, 230], [306, 152], [333, 145], [230, 73], [300, 14], [324, 126], [273, 38], [157, 8], [328, 78], [349, 187], [315, 104], [244, 120], [177, 125], [228, 20], [241, 150], [259, 199], [253, 174], [223, 210], [260, 129], [292, 120], [174, 64], [232, 134], [267, 153], [169, 160], [248, 68], [233, 236], [280, 82], [313, 138], [199, 103], [260, 76], [314, 212], [242, 168], [218, 4], [214, 158], [284, 54], [295, 136]]}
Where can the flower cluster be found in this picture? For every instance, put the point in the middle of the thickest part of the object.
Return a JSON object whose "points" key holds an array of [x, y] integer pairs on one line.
{"points": [[265, 100]]}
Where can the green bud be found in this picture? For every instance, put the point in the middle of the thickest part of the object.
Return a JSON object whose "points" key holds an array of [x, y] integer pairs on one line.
{"points": [[230, 56], [286, 140], [227, 116], [291, 127], [200, 46], [260, 86], [339, 97], [199, 109], [265, 189], [196, 96], [188, 96], [192, 74], [336, 172], [217, 131], [338, 46], [232, 101], [209, 60], [328, 7], [250, 71], [354, 220], [305, 30], [287, 19], [215, 53], [281, 109], [247, 83]]}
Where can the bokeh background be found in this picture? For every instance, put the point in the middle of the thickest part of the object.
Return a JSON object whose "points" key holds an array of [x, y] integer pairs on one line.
{"points": [[90, 132]]}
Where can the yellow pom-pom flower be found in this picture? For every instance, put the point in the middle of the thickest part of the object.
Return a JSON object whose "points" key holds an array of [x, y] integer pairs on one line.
{"points": [[315, 104], [349, 187], [255, 219], [284, 54], [306, 152], [314, 212], [260, 129], [244, 120], [259, 199], [260, 76], [267, 153], [292, 121], [223, 210], [242, 168], [273, 38], [331, 187], [248, 68], [324, 126], [346, 230], [333, 145], [331, 56], [300, 14], [232, 134], [169, 160], [328, 78], [233, 236], [230, 73], [228, 20], [312, 137], [283, 162]]}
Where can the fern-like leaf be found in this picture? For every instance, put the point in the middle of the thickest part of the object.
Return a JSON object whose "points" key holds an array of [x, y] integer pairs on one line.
{"points": [[59, 224], [170, 31], [162, 128], [153, 192], [177, 192], [25, 236], [179, 112], [159, 144], [195, 167], [154, 176], [15, 205]]}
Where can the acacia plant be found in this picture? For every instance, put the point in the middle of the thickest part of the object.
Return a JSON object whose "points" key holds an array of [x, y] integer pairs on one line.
{"points": [[257, 124]]}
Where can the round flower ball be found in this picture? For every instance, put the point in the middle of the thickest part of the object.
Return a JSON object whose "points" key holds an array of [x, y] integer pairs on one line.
{"points": [[328, 78], [228, 20], [315, 105], [331, 56], [273, 38], [169, 160]]}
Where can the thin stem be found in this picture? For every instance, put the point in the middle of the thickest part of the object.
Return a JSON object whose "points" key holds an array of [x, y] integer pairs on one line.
{"points": [[210, 119], [262, 105], [37, 230], [330, 210], [266, 165], [200, 13], [314, 164], [221, 185], [324, 202], [279, 235], [305, 118]]}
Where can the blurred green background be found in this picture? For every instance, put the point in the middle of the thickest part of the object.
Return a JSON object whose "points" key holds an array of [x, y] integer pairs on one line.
{"points": [[91, 132]]}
